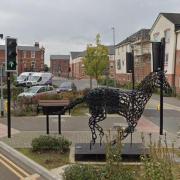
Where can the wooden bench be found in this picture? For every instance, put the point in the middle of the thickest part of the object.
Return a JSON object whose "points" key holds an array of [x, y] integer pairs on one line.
{"points": [[53, 107]]}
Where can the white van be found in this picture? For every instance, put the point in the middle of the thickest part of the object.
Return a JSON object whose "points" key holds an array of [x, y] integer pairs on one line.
{"points": [[40, 78], [23, 78]]}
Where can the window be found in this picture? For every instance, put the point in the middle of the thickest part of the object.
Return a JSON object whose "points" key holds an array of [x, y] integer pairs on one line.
{"points": [[156, 37], [24, 54], [166, 60], [123, 62], [40, 79], [42, 89], [111, 65], [119, 64], [42, 55], [33, 64], [167, 35], [32, 54]]}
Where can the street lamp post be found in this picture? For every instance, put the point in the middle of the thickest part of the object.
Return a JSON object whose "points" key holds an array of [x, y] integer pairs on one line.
{"points": [[113, 29], [1, 75]]}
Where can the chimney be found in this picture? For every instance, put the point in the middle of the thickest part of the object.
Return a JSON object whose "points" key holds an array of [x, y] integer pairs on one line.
{"points": [[36, 44]]}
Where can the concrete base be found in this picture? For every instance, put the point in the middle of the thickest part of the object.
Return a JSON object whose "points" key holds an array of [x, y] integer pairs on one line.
{"points": [[130, 152]]}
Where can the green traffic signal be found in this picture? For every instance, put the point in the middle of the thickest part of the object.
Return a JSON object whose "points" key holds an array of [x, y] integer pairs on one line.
{"points": [[11, 45]]}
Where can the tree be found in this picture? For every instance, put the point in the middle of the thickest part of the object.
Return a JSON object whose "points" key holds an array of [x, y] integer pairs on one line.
{"points": [[96, 59], [46, 68]]}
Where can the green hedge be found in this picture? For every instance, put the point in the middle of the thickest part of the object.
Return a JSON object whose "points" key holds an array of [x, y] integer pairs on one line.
{"points": [[89, 172], [81, 172], [106, 82], [50, 143]]}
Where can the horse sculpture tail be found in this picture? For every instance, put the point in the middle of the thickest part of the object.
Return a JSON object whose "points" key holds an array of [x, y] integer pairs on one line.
{"points": [[73, 104]]}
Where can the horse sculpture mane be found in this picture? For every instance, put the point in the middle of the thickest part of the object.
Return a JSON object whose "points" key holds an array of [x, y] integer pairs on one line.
{"points": [[129, 104]]}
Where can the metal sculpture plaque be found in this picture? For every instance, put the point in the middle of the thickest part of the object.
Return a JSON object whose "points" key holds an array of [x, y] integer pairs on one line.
{"points": [[129, 104]]}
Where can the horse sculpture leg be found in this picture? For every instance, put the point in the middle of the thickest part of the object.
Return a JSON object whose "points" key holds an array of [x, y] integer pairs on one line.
{"points": [[92, 127], [93, 120], [98, 127]]}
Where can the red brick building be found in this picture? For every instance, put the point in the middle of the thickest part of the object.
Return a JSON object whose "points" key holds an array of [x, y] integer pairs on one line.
{"points": [[29, 58], [59, 65], [77, 66]]}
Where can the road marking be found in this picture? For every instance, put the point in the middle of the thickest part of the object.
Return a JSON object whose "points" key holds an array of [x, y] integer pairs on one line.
{"points": [[32, 177], [13, 167]]}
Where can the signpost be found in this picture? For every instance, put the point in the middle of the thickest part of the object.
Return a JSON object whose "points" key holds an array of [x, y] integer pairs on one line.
{"points": [[158, 53], [2, 74]]}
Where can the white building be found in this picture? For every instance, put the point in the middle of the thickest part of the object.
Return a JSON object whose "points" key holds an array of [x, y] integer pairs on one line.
{"points": [[139, 41], [168, 25]]}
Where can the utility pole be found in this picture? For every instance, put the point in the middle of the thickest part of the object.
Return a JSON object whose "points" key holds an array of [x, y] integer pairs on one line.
{"points": [[114, 42], [2, 98], [1, 75]]}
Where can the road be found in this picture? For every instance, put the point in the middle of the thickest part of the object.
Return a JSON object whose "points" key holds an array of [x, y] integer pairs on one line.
{"points": [[10, 171], [6, 173], [171, 119]]}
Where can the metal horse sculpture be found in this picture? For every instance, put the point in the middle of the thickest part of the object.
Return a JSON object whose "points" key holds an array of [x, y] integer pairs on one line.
{"points": [[129, 104]]}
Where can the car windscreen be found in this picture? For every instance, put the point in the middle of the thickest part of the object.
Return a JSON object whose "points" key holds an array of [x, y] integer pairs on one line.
{"points": [[21, 78], [33, 89], [65, 85]]}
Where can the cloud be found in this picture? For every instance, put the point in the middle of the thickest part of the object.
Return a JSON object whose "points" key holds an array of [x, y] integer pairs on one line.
{"points": [[68, 25]]}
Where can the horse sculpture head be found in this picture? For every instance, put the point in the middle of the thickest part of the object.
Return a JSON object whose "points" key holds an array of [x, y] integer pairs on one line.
{"points": [[159, 77]]}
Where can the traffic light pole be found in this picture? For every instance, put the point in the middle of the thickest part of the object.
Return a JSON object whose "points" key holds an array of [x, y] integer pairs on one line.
{"points": [[161, 86], [2, 99], [9, 104], [133, 82]]}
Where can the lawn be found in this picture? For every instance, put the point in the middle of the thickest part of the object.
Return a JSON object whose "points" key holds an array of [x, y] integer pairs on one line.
{"points": [[49, 160]]}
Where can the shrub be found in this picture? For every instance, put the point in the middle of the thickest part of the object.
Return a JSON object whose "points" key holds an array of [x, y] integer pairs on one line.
{"points": [[50, 143], [159, 164], [114, 169], [25, 106], [108, 82], [81, 172], [15, 91]]}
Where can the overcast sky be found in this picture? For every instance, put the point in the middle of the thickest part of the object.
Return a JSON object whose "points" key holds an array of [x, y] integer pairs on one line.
{"points": [[62, 26]]}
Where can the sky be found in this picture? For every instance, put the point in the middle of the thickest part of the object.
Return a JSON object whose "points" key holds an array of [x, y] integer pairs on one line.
{"points": [[62, 26]]}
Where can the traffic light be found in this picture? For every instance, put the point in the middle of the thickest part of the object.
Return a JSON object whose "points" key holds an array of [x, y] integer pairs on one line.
{"points": [[129, 62], [11, 53]]}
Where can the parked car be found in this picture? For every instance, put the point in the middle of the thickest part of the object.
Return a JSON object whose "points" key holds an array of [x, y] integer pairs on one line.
{"points": [[66, 86], [37, 91]]}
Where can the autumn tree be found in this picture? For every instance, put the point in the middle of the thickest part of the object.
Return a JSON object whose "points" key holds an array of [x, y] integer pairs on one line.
{"points": [[96, 59]]}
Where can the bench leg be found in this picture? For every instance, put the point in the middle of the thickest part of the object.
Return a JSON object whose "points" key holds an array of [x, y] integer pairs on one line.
{"points": [[59, 123], [47, 124]]}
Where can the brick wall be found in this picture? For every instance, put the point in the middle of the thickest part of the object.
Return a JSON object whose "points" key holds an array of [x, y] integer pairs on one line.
{"points": [[123, 78], [59, 67], [142, 67], [177, 77]]}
